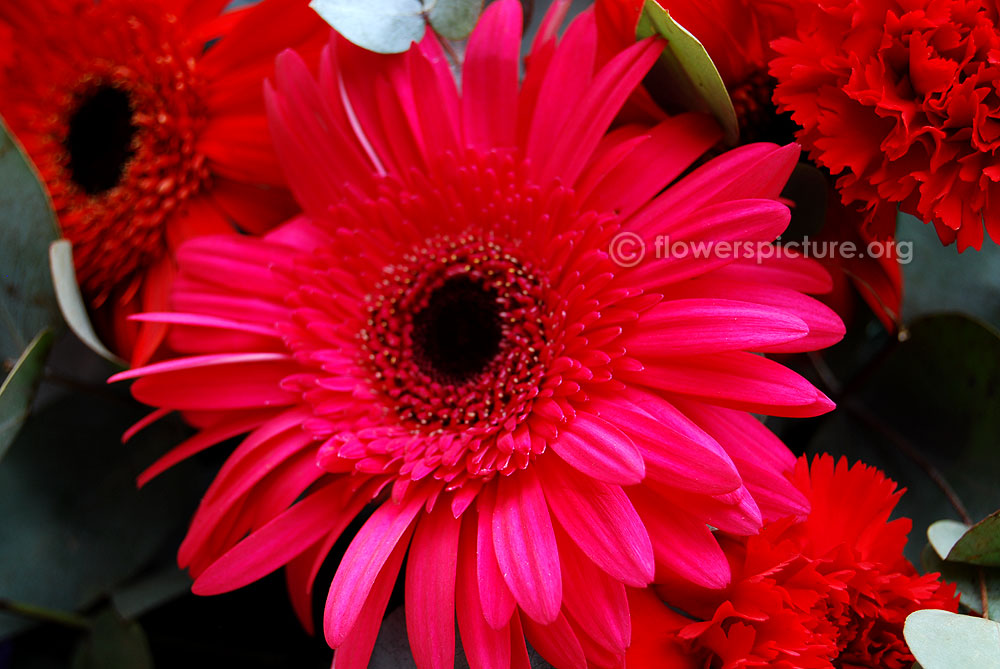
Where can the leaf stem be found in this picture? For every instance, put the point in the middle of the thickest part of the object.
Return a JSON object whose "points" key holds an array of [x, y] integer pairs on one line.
{"points": [[902, 444], [45, 615]]}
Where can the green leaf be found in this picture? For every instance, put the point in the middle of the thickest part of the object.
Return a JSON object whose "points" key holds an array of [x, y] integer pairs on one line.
{"points": [[980, 544], [73, 526], [113, 643], [943, 534], [685, 78], [18, 389], [454, 19], [944, 640], [70, 300], [936, 394], [966, 578], [27, 225], [383, 26], [938, 279]]}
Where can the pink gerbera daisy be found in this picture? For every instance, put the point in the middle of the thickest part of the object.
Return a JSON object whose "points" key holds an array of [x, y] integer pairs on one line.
{"points": [[444, 333]]}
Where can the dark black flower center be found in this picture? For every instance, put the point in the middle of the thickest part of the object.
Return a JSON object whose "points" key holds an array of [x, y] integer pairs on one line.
{"points": [[458, 332], [100, 139]]}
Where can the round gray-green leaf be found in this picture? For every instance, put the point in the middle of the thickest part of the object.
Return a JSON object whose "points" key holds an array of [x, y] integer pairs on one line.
{"points": [[944, 534], [18, 389], [943, 640], [980, 544], [70, 300], [968, 580], [383, 26], [113, 643], [75, 527], [27, 225], [454, 19]]}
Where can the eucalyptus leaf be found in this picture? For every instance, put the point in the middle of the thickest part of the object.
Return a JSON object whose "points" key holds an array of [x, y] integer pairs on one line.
{"points": [[70, 299], [943, 534], [454, 19], [980, 544], [930, 402], [18, 389], [113, 643], [944, 640], [685, 78], [27, 225], [966, 579], [939, 279], [383, 26], [150, 591], [73, 525]]}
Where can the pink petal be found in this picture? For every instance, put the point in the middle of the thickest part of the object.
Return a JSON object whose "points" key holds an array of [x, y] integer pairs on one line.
{"points": [[228, 382], [675, 450], [742, 435], [227, 493], [355, 650], [734, 512], [593, 600], [272, 546], [566, 78], [737, 380], [435, 95], [670, 149], [525, 545], [825, 326], [225, 260], [556, 642], [750, 171], [690, 247], [430, 589], [498, 602], [519, 658], [601, 521], [598, 107], [204, 439], [362, 562], [600, 450], [805, 274], [705, 325], [300, 576], [762, 459], [490, 77], [485, 647], [681, 542], [194, 362]]}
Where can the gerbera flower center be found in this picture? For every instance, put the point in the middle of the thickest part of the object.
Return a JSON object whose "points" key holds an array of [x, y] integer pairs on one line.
{"points": [[99, 141], [456, 335]]}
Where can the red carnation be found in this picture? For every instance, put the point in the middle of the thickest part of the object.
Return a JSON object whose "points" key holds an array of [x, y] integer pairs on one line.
{"points": [[831, 590], [900, 99]]}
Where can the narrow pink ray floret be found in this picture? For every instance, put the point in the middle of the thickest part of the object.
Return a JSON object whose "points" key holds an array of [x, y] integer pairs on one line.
{"points": [[444, 333]]}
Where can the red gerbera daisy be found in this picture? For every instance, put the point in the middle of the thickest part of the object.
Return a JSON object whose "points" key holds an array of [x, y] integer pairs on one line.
{"points": [[444, 332], [832, 590], [143, 137], [900, 98]]}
